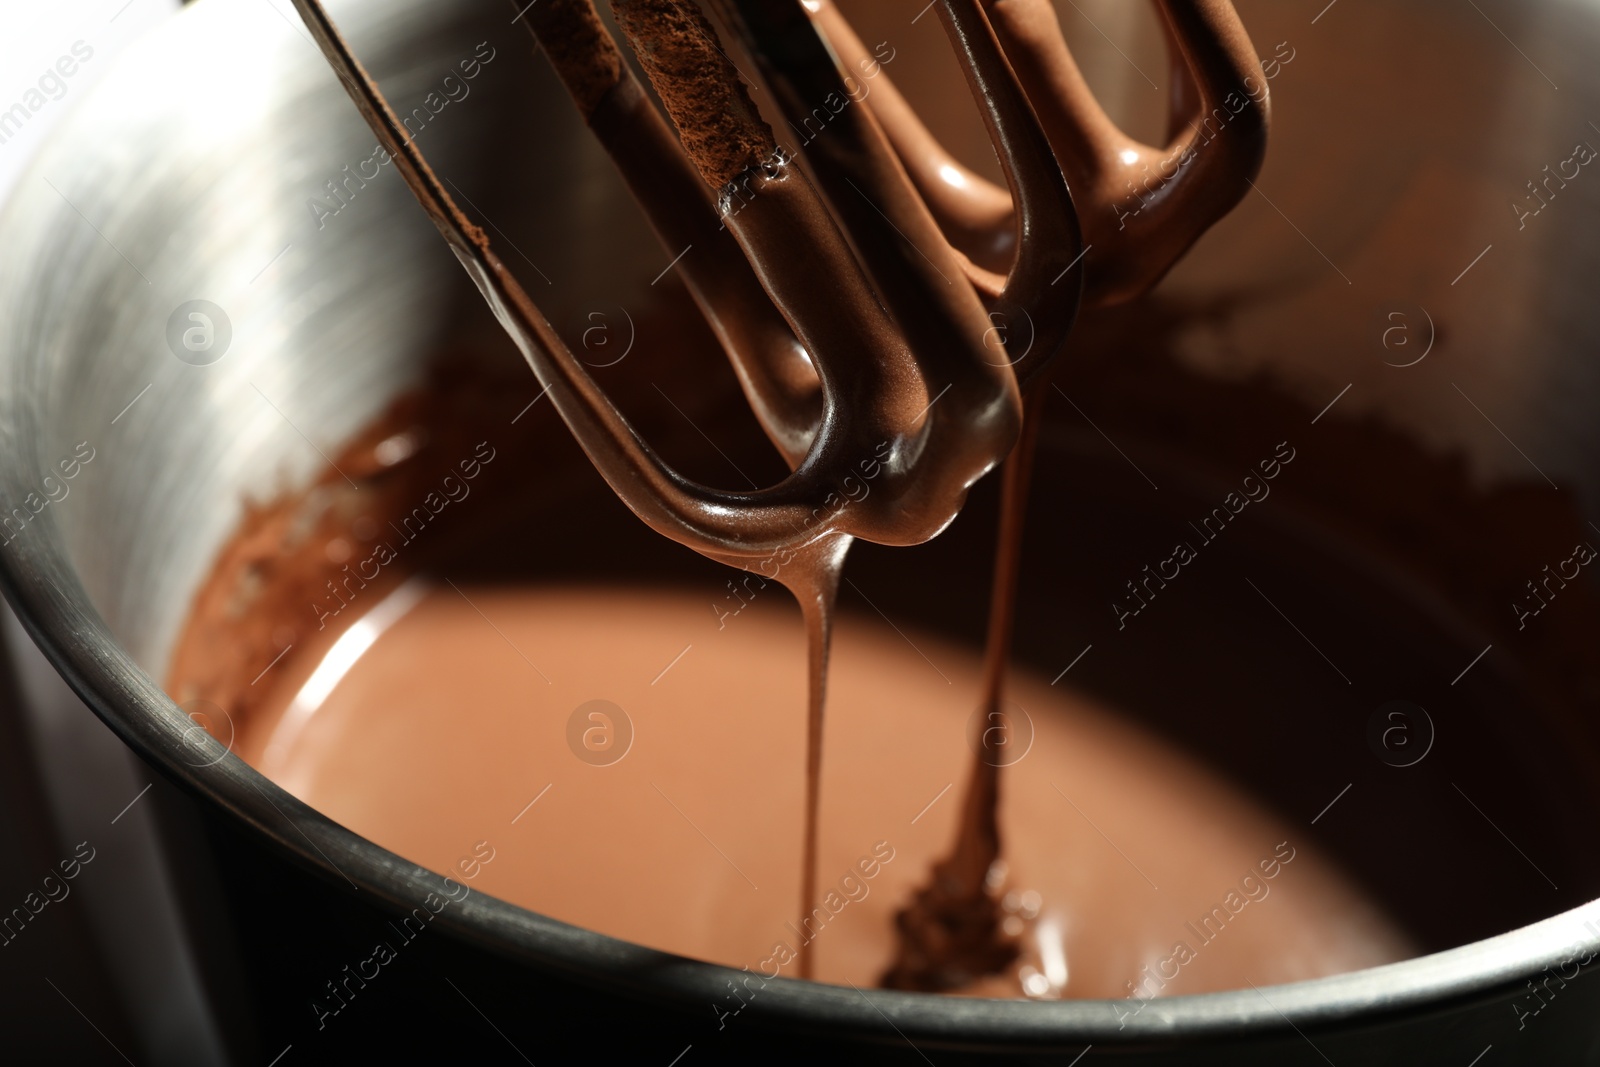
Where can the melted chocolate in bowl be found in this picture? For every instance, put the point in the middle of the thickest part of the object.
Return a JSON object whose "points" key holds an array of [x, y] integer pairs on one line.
{"points": [[625, 735], [483, 637]]}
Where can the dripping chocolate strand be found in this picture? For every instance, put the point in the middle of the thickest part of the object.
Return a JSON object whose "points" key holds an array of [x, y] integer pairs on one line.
{"points": [[815, 586], [1045, 212], [952, 931]]}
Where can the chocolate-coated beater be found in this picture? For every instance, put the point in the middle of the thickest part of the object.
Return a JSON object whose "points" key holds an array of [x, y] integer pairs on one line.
{"points": [[897, 344], [1219, 116], [713, 113], [1141, 206], [867, 298]]}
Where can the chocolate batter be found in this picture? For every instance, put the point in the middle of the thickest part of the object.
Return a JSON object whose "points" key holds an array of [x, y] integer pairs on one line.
{"points": [[447, 725]]}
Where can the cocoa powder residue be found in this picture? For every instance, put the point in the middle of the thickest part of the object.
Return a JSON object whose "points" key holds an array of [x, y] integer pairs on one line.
{"points": [[699, 85]]}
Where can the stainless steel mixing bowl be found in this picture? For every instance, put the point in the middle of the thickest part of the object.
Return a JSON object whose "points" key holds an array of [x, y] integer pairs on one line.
{"points": [[220, 162]]}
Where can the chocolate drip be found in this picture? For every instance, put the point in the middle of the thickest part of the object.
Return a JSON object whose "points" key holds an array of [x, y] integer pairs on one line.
{"points": [[951, 931], [816, 587]]}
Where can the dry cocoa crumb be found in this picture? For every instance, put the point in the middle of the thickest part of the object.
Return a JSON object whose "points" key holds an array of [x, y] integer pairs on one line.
{"points": [[702, 90]]}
